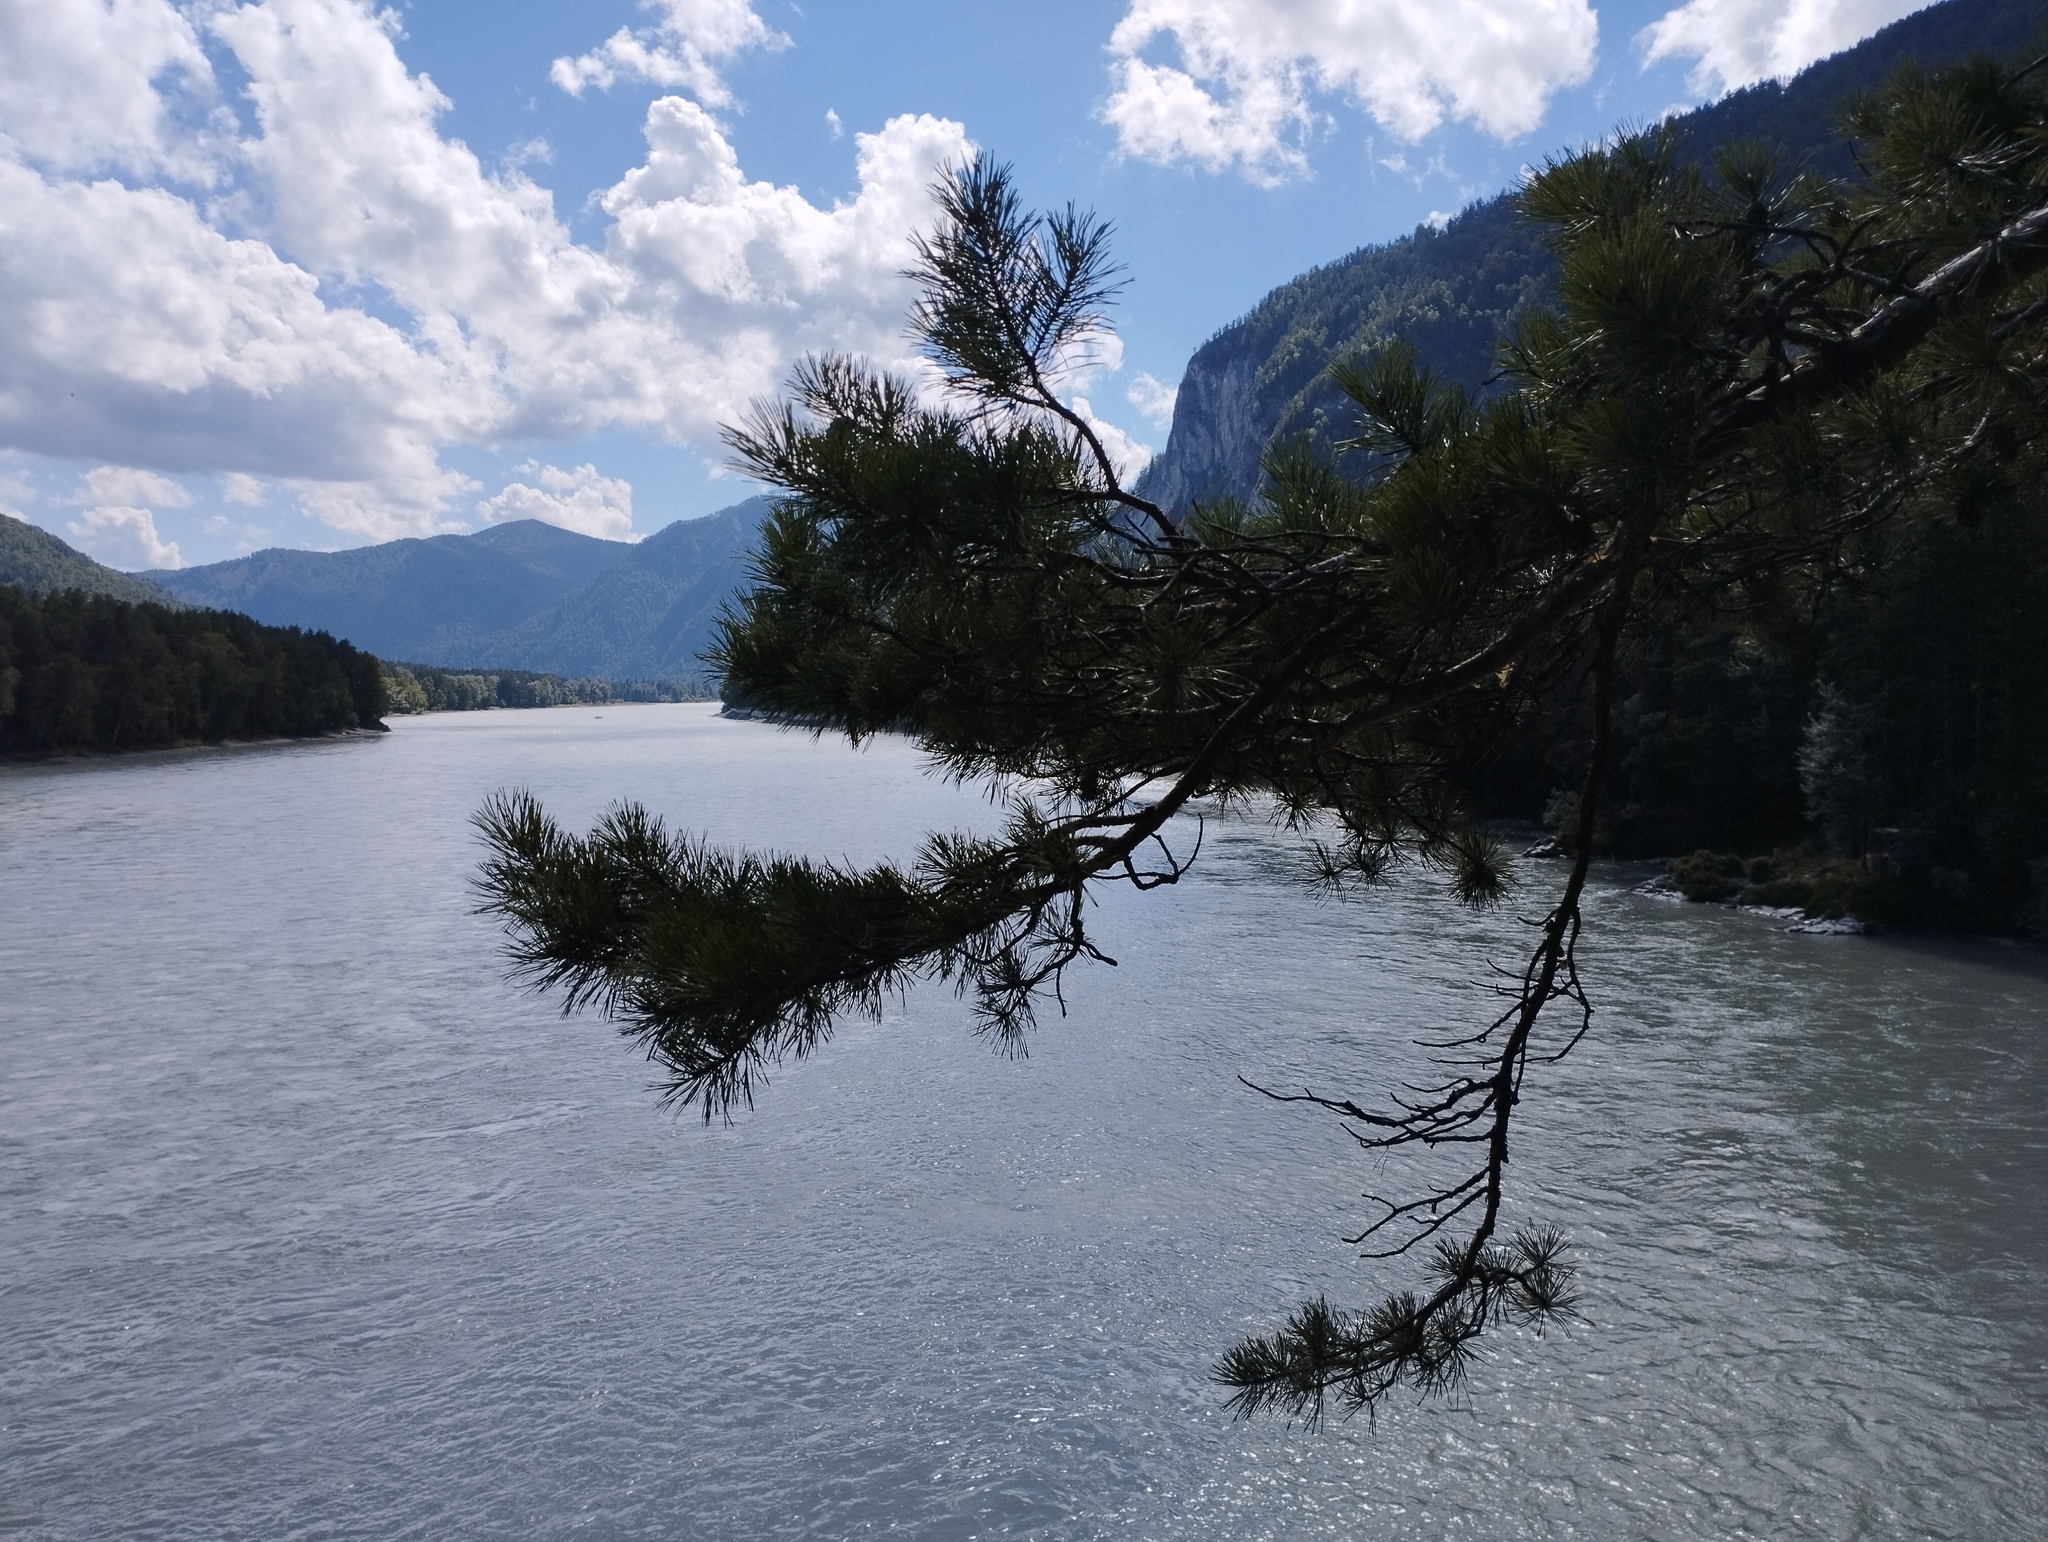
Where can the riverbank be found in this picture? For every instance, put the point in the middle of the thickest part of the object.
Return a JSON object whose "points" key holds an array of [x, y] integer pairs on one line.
{"points": [[1822, 892], [410, 689], [186, 749]]}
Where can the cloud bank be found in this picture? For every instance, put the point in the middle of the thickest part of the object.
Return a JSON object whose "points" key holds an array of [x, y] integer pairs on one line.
{"points": [[1739, 42], [1154, 398], [683, 49], [1243, 92], [310, 286]]}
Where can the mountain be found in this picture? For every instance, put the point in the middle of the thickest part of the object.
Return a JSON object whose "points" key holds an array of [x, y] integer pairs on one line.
{"points": [[518, 596], [1452, 293], [647, 615], [37, 561], [415, 599]]}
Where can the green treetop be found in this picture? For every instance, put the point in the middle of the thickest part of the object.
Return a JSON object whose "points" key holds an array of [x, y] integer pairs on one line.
{"points": [[1749, 373]]}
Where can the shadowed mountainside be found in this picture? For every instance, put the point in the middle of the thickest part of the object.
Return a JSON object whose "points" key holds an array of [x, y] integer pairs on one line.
{"points": [[1452, 293], [646, 616], [518, 596], [425, 599]]}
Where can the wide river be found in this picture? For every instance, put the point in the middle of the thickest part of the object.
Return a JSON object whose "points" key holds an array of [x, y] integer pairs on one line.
{"points": [[313, 1226]]}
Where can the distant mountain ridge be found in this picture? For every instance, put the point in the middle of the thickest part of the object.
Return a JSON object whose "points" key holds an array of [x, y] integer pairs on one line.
{"points": [[33, 559], [1259, 382], [646, 616], [518, 596], [414, 599]]}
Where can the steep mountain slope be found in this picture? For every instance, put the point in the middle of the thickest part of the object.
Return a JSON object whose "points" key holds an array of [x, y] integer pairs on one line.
{"points": [[647, 616], [35, 560], [1448, 292], [414, 599], [1453, 292]]}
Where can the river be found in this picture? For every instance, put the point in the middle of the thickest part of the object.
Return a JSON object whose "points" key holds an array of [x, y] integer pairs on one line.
{"points": [[312, 1226]]}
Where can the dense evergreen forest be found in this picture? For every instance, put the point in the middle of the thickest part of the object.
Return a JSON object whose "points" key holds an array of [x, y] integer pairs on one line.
{"points": [[1887, 755], [82, 673], [414, 688]]}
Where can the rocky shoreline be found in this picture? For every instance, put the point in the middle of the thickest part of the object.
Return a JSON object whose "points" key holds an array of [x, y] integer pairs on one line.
{"points": [[1664, 886]]}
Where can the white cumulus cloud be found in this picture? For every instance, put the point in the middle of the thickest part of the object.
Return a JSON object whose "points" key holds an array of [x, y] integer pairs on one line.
{"points": [[15, 491], [127, 484], [682, 50], [1126, 454], [1242, 91], [579, 500], [1739, 42], [123, 538], [119, 527], [1153, 398], [92, 84], [357, 292]]}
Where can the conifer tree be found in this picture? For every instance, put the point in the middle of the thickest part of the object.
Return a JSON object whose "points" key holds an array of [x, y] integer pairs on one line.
{"points": [[1747, 374]]}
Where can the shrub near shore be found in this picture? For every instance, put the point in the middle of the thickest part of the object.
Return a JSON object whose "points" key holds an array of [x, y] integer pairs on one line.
{"points": [[1894, 886], [1819, 884]]}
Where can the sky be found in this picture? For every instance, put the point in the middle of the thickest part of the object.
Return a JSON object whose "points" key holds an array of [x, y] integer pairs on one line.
{"points": [[315, 273]]}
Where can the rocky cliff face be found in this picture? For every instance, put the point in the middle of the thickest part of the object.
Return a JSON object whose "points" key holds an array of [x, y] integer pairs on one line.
{"points": [[1216, 416], [1261, 381], [1453, 293]]}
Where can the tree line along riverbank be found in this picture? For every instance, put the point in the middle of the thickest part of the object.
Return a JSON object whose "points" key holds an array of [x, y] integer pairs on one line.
{"points": [[84, 673], [410, 689], [1883, 753], [1926, 809]]}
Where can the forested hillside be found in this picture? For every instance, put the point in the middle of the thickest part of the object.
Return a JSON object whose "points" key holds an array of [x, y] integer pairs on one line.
{"points": [[645, 617], [1904, 729], [38, 562], [1452, 293], [82, 673], [414, 599], [523, 597]]}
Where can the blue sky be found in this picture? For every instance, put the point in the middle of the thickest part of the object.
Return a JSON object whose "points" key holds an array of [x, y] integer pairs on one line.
{"points": [[299, 273]]}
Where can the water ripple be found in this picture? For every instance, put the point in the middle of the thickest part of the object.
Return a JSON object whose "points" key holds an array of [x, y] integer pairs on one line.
{"points": [[315, 1228]]}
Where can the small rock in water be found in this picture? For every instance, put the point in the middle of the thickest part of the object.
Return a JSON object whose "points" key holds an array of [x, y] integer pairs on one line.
{"points": [[1834, 926], [1775, 912], [1546, 847]]}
